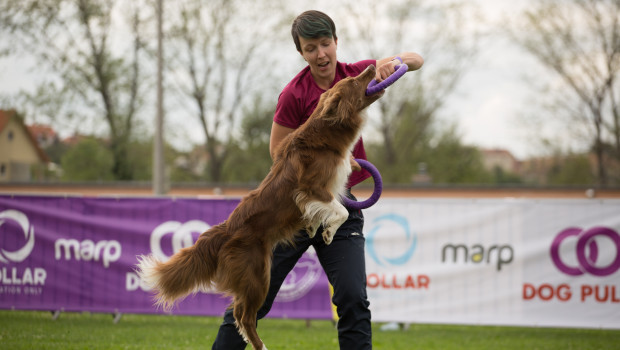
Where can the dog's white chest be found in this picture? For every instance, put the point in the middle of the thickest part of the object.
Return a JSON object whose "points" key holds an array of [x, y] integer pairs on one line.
{"points": [[342, 175]]}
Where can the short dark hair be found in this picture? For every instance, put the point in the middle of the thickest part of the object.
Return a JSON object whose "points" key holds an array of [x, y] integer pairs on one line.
{"points": [[312, 25]]}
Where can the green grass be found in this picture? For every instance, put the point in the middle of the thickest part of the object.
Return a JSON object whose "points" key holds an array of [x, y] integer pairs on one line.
{"points": [[37, 330]]}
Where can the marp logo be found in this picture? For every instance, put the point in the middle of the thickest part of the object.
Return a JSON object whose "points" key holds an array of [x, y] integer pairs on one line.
{"points": [[398, 226], [22, 220], [182, 236], [586, 251], [302, 278]]}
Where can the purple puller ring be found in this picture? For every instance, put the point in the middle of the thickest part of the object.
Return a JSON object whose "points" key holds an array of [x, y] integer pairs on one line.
{"points": [[351, 204], [375, 87]]}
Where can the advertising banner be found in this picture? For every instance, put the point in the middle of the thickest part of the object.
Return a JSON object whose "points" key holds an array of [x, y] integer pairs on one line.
{"points": [[79, 254], [495, 261], [519, 262]]}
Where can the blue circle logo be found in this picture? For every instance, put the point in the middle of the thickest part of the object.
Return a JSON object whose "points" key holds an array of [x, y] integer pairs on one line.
{"points": [[401, 225]]}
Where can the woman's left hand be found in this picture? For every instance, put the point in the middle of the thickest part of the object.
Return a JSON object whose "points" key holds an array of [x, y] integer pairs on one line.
{"points": [[355, 166], [386, 69]]}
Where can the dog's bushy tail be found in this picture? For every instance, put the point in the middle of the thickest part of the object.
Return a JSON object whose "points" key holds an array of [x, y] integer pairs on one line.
{"points": [[189, 270]]}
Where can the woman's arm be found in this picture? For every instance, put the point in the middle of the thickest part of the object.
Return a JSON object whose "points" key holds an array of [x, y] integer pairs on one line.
{"points": [[278, 133], [385, 66]]}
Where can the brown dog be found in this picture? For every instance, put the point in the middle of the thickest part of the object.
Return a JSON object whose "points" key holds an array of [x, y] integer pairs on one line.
{"points": [[302, 190]]}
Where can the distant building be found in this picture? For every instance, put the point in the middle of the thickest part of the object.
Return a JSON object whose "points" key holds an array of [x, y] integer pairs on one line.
{"points": [[74, 140], [44, 134], [536, 170], [422, 176], [21, 158], [500, 158]]}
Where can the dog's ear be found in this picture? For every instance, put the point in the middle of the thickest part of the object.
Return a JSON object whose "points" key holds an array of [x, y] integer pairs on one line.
{"points": [[345, 109], [337, 107], [331, 102]]}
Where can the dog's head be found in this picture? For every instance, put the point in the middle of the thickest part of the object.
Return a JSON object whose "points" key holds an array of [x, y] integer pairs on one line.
{"points": [[348, 96]]}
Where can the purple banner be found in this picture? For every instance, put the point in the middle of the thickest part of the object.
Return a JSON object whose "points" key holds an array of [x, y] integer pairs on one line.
{"points": [[79, 254]]}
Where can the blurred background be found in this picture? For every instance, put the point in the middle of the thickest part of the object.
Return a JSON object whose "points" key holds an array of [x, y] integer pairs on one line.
{"points": [[512, 93]]}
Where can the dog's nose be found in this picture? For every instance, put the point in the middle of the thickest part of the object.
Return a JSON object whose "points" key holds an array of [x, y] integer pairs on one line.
{"points": [[368, 72]]}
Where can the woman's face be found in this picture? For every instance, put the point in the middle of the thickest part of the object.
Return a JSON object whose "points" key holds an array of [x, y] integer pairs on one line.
{"points": [[320, 53]]}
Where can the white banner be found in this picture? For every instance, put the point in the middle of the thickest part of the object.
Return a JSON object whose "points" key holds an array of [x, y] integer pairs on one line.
{"points": [[494, 261]]}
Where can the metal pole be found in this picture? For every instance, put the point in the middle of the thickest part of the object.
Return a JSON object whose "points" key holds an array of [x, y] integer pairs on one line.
{"points": [[158, 142]]}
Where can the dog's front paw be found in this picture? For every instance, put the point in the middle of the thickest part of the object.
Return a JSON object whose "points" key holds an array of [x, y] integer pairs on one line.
{"points": [[328, 236], [311, 229]]}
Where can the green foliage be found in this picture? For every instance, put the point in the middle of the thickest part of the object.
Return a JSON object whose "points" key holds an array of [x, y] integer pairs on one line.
{"points": [[405, 131], [445, 159], [415, 144], [55, 151], [249, 159], [247, 165], [140, 159], [89, 160], [503, 177], [452, 162], [572, 169]]}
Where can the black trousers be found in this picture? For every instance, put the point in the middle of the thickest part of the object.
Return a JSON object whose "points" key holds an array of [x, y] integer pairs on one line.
{"points": [[344, 263]]}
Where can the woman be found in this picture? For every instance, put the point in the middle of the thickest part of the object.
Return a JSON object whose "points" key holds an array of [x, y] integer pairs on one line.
{"points": [[314, 34]]}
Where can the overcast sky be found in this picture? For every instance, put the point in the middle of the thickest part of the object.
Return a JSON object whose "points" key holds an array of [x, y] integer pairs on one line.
{"points": [[492, 102], [488, 105]]}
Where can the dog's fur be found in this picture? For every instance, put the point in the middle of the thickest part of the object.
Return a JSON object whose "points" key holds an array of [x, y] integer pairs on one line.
{"points": [[302, 190]]}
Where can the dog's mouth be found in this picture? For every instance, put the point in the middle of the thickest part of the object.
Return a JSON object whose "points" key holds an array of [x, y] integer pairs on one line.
{"points": [[365, 78], [367, 75]]}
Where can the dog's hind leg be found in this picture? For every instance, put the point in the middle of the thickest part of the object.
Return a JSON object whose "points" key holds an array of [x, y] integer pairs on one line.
{"points": [[250, 291], [246, 324]]}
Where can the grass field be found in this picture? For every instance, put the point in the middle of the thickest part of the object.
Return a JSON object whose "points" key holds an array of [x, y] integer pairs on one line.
{"points": [[37, 330]]}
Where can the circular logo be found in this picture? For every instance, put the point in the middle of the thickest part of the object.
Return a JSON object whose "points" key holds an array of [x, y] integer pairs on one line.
{"points": [[22, 220], [302, 278], [586, 251], [398, 225], [181, 236]]}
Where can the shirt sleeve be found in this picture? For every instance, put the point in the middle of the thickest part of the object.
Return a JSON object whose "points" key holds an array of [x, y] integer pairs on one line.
{"points": [[287, 110]]}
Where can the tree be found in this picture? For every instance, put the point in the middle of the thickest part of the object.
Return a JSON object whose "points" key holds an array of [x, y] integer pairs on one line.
{"points": [[249, 159], [89, 160], [573, 169], [408, 111], [449, 161], [92, 72], [213, 65], [404, 144], [443, 158], [578, 41]]}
